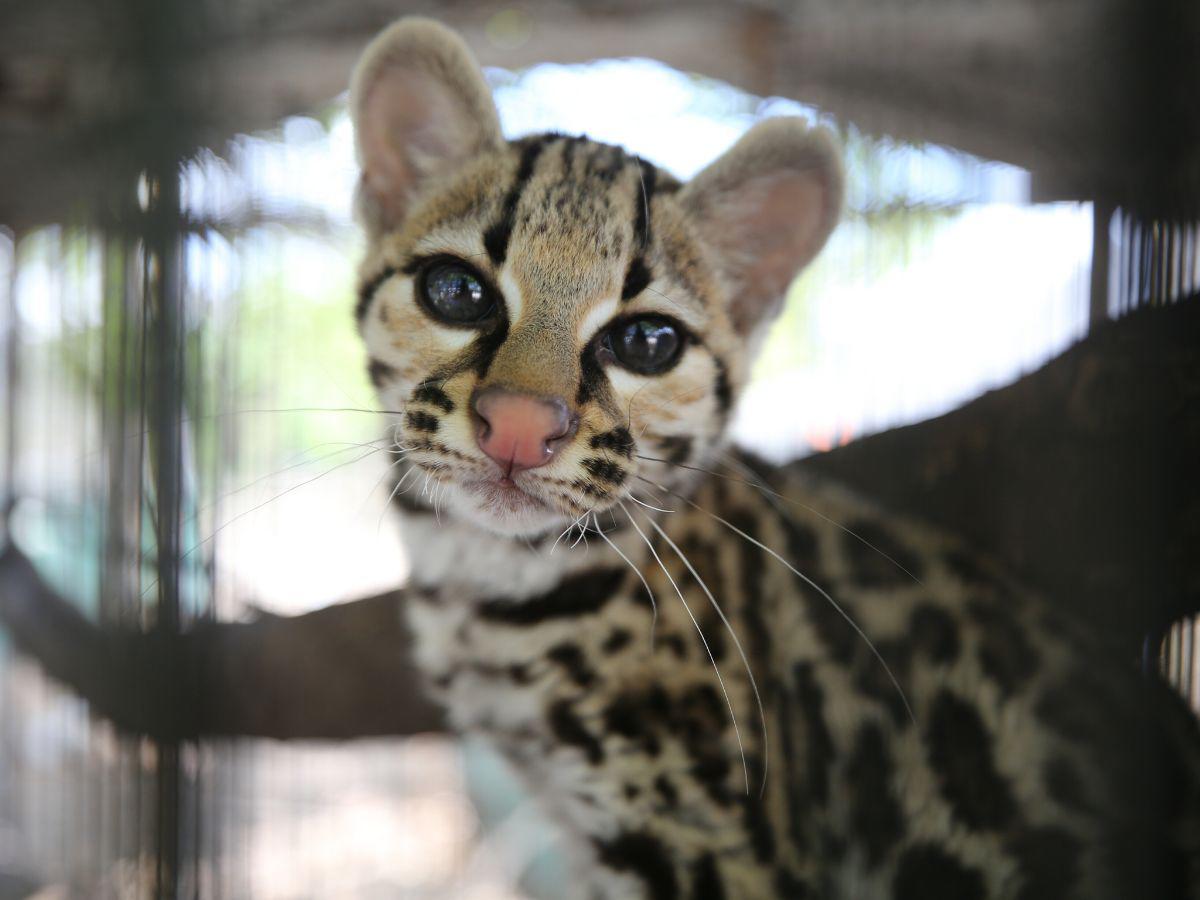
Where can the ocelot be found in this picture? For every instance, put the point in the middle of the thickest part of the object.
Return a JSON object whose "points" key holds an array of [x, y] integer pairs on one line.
{"points": [[722, 680]]}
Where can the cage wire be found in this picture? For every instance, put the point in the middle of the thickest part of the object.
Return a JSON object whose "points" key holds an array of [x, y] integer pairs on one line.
{"points": [[164, 386]]}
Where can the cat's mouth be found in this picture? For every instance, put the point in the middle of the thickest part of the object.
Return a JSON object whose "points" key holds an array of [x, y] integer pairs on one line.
{"points": [[502, 495], [513, 504], [516, 507]]}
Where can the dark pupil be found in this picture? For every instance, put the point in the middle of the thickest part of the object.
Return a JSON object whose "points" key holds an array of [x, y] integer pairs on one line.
{"points": [[456, 294], [647, 345]]}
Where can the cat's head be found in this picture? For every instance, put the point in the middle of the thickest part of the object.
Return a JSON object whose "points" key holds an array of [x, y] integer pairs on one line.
{"points": [[553, 314]]}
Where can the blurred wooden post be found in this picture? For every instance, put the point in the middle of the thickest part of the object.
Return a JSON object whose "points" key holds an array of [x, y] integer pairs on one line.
{"points": [[1102, 215]]}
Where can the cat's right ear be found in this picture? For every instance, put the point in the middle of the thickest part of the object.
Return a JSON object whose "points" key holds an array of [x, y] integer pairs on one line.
{"points": [[421, 109]]}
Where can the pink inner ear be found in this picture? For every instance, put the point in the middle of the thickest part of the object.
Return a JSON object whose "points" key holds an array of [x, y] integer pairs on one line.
{"points": [[775, 229], [407, 122]]}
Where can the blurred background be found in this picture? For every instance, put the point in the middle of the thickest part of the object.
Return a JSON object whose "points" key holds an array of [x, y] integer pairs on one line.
{"points": [[188, 435]]}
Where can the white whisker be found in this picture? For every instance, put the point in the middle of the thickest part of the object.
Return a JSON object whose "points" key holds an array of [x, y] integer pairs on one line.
{"points": [[566, 531], [816, 587], [630, 495], [762, 715], [396, 491], [443, 489], [247, 512], [345, 447], [638, 573], [399, 454], [738, 466], [712, 659], [773, 496]]}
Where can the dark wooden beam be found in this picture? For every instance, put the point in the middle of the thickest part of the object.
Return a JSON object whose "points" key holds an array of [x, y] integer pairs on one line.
{"points": [[1079, 478], [1096, 97]]}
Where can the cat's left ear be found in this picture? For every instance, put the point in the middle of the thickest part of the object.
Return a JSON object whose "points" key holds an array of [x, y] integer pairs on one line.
{"points": [[421, 109], [765, 209]]}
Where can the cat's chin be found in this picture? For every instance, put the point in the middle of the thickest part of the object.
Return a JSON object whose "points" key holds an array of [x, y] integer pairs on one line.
{"points": [[503, 509]]}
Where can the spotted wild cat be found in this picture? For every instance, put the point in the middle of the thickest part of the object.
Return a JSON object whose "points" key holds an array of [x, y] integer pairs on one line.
{"points": [[723, 693]]}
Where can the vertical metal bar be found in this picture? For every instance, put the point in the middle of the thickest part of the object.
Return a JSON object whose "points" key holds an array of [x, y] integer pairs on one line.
{"points": [[166, 415], [1189, 628], [8, 488], [1187, 258], [1102, 213], [161, 35], [1128, 300], [13, 774], [1145, 295], [1170, 294], [1193, 669], [1193, 250]]}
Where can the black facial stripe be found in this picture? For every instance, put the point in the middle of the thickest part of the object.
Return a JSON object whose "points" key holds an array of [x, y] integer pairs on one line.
{"points": [[721, 387], [637, 278], [478, 355], [619, 440], [366, 293], [568, 158], [603, 470], [379, 372], [439, 448], [484, 350], [421, 421], [496, 238], [645, 188], [590, 489], [427, 392], [593, 384]]}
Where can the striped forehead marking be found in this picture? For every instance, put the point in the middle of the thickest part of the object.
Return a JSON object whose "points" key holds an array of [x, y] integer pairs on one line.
{"points": [[499, 233]]}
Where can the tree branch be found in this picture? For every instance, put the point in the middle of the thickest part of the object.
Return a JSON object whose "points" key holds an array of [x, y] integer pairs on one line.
{"points": [[339, 672]]}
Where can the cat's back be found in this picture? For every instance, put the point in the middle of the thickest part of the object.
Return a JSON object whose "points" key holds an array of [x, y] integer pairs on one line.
{"points": [[940, 731]]}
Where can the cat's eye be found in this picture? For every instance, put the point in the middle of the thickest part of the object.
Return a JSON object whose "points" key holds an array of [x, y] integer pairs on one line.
{"points": [[648, 345], [454, 294]]}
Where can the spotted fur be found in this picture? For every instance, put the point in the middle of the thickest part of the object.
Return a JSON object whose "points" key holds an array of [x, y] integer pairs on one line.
{"points": [[927, 728]]}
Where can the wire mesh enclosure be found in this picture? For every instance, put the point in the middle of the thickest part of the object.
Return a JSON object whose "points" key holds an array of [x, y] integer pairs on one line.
{"points": [[190, 437]]}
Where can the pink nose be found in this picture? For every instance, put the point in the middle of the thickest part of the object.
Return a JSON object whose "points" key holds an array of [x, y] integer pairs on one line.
{"points": [[519, 431]]}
